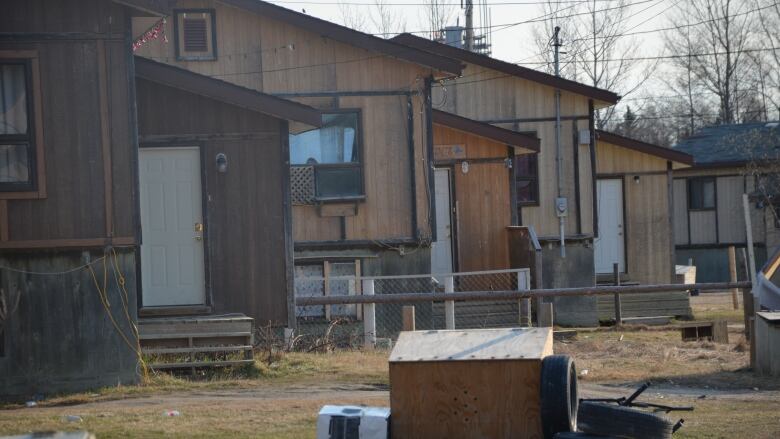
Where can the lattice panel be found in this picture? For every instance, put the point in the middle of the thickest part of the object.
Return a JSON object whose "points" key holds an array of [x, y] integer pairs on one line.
{"points": [[302, 185]]}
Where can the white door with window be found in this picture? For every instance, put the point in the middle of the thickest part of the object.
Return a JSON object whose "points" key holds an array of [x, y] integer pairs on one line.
{"points": [[610, 244], [172, 261], [441, 249]]}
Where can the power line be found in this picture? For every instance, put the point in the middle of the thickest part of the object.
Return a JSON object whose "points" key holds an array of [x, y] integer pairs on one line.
{"points": [[532, 20], [458, 4]]}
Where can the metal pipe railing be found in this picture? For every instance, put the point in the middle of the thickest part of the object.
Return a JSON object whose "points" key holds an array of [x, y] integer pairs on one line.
{"points": [[515, 295]]}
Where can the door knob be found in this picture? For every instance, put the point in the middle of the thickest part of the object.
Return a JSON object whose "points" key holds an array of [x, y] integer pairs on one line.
{"points": [[199, 227]]}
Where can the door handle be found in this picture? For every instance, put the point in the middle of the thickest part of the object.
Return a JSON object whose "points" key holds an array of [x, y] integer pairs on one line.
{"points": [[199, 227]]}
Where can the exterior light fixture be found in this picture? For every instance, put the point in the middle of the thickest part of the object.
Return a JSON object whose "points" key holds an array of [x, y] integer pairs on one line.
{"points": [[222, 163], [464, 167], [636, 179]]}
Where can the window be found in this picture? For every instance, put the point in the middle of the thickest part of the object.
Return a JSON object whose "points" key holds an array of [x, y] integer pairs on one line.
{"points": [[526, 179], [195, 35], [17, 151], [701, 194], [333, 151]]}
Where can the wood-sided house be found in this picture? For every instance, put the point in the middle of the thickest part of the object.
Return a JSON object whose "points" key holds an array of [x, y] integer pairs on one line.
{"points": [[635, 205], [523, 100], [360, 183], [77, 196], [730, 160]]}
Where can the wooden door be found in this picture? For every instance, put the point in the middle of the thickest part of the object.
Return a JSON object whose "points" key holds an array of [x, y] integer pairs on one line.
{"points": [[610, 244], [172, 256], [441, 249]]}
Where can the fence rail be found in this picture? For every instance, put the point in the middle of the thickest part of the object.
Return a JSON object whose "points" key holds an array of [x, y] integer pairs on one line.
{"points": [[515, 295]]}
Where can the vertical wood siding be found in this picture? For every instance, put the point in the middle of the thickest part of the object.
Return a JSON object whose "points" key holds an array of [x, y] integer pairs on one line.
{"points": [[482, 197], [274, 57], [245, 207], [484, 94]]}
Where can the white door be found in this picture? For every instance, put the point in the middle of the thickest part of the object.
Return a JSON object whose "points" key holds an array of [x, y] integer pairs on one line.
{"points": [[172, 264], [441, 250], [610, 243]]}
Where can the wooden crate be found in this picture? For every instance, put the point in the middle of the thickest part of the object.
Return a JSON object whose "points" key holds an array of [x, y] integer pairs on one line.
{"points": [[716, 331], [481, 383]]}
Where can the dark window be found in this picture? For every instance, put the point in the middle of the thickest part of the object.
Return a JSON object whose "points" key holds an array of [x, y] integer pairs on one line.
{"points": [[16, 139], [195, 34], [526, 179], [701, 193], [334, 152]]}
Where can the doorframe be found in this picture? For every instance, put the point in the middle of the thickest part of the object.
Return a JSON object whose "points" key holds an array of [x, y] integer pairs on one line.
{"points": [[454, 247], [180, 145], [622, 178]]}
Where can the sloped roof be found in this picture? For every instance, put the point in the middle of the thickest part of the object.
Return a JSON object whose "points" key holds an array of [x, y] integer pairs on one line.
{"points": [[729, 145], [507, 68], [227, 92], [348, 36], [644, 147], [484, 129]]}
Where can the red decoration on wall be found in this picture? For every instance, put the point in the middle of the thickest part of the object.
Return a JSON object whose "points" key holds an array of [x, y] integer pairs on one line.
{"points": [[153, 33]]}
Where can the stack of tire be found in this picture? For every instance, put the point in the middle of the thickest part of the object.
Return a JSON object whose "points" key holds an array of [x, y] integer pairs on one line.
{"points": [[565, 417]]}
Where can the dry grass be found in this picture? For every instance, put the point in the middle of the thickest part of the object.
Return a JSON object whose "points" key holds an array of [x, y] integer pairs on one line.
{"points": [[281, 400], [631, 356], [717, 306]]}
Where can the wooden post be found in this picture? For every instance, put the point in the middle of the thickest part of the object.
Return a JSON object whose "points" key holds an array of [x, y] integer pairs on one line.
{"points": [[752, 277], [326, 286], [369, 316], [524, 305], [618, 307], [408, 318], [449, 305], [733, 275], [546, 315], [358, 289]]}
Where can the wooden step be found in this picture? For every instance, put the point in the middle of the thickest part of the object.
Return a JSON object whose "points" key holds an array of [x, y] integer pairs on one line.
{"points": [[193, 364], [195, 350], [172, 336]]}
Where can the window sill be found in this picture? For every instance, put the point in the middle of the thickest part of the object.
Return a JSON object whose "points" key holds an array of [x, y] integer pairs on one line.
{"points": [[347, 199], [22, 195]]}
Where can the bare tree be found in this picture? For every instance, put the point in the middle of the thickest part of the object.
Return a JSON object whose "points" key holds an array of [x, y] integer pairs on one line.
{"points": [[768, 62], [436, 16], [386, 20], [715, 49], [596, 51], [351, 17]]}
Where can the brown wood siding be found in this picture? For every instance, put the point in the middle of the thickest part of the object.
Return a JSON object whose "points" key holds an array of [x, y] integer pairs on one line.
{"points": [[485, 94], [78, 145], [275, 57], [647, 227], [245, 211], [482, 201]]}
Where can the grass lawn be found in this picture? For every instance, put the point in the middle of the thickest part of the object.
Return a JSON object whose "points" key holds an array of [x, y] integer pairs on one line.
{"points": [[282, 400]]}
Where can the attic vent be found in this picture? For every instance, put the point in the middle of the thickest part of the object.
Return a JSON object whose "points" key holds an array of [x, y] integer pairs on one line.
{"points": [[195, 35]]}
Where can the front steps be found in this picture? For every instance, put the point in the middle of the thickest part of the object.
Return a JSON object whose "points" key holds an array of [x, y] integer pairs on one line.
{"points": [[191, 342]]}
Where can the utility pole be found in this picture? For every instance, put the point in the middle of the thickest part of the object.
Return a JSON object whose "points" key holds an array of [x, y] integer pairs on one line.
{"points": [[470, 25], [561, 207]]}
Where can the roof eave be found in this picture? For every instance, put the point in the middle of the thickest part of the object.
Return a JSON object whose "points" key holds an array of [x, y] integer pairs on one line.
{"points": [[646, 148], [229, 93], [486, 130]]}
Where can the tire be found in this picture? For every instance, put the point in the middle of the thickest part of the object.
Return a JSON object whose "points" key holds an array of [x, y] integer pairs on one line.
{"points": [[558, 396], [614, 420], [575, 435]]}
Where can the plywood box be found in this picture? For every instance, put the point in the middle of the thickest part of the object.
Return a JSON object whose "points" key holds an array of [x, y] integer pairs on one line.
{"points": [[481, 383], [768, 343]]}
